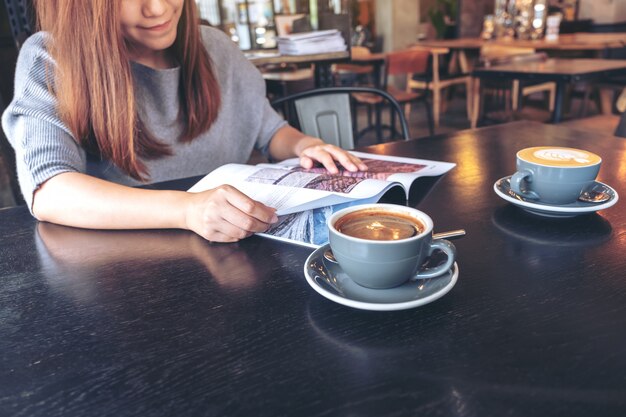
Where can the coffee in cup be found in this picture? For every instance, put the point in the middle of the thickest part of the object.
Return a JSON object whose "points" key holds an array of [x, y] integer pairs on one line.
{"points": [[374, 224], [554, 175], [385, 245]]}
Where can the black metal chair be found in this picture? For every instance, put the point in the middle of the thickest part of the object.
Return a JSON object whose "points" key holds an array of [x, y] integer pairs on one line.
{"points": [[8, 171], [328, 113], [605, 92], [21, 20]]}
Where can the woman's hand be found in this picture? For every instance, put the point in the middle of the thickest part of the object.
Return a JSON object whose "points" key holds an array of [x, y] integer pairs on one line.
{"points": [[224, 214], [312, 150], [289, 142]]}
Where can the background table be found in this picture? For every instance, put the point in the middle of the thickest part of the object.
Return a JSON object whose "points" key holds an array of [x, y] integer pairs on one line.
{"points": [[149, 323], [565, 42], [561, 71], [323, 76], [594, 45]]}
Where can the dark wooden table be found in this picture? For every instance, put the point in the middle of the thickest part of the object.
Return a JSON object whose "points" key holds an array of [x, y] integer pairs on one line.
{"points": [[559, 70], [162, 323], [582, 44], [577, 42]]}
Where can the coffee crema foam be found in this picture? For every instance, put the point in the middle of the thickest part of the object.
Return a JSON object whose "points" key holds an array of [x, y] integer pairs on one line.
{"points": [[559, 157], [379, 225]]}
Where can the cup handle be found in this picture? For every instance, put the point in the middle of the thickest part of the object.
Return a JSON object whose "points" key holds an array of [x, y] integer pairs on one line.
{"points": [[446, 247], [516, 181]]}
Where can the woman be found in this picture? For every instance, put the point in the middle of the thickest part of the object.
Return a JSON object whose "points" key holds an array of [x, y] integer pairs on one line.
{"points": [[115, 93]]}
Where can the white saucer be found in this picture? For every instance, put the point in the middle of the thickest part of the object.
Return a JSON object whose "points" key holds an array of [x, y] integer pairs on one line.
{"points": [[330, 281], [502, 187]]}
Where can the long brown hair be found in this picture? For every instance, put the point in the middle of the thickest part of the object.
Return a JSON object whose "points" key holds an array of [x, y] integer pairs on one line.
{"points": [[93, 82]]}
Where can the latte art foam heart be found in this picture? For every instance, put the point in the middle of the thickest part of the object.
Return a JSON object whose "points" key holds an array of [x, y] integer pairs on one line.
{"points": [[558, 156]]}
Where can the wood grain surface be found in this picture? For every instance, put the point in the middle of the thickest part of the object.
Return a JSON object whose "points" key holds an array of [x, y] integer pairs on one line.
{"points": [[162, 323]]}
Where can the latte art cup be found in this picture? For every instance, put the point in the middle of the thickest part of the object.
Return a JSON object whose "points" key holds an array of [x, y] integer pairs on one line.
{"points": [[554, 175], [388, 263]]}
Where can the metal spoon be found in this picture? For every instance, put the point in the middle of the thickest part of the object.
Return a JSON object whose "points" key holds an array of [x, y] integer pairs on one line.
{"points": [[452, 234], [599, 193]]}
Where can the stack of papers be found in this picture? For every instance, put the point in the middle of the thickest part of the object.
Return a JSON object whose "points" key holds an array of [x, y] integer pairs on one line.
{"points": [[317, 42]]}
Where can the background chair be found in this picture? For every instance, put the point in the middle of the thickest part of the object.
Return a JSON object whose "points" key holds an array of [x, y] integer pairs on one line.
{"points": [[15, 27], [620, 130], [438, 79], [606, 93], [403, 66], [21, 19], [508, 94], [10, 194], [327, 113], [284, 22], [284, 79], [340, 21], [354, 74], [399, 67]]}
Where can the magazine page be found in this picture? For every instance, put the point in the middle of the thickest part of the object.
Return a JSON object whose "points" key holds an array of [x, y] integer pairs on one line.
{"points": [[289, 188], [293, 189], [387, 168]]}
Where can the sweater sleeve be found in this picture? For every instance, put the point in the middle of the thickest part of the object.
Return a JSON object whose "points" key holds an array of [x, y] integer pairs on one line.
{"points": [[44, 146]]}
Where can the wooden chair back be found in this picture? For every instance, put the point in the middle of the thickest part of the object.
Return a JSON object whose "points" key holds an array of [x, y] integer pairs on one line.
{"points": [[620, 130], [353, 73], [410, 61]]}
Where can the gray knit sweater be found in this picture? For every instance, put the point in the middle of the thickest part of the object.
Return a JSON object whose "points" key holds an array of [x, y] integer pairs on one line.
{"points": [[44, 146]]}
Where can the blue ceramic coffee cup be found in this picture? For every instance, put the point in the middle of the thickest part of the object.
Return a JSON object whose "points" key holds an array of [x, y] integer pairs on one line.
{"points": [[554, 175], [389, 262]]}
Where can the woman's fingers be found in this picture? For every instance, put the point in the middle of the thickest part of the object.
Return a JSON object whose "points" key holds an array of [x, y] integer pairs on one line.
{"points": [[328, 155], [224, 214], [322, 156], [249, 208], [349, 161], [306, 162]]}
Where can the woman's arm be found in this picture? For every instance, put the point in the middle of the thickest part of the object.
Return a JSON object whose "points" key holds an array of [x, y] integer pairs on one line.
{"points": [[222, 214], [288, 142]]}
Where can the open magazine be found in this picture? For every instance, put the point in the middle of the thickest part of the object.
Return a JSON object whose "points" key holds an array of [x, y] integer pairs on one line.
{"points": [[304, 198]]}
